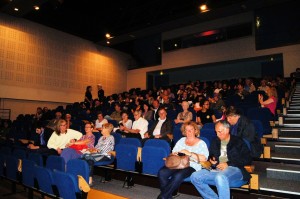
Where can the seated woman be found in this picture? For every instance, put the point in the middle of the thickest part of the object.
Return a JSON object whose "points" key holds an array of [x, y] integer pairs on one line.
{"points": [[101, 152], [125, 123], [76, 147], [61, 137], [185, 115], [206, 115], [100, 121], [191, 145], [147, 113], [271, 102]]}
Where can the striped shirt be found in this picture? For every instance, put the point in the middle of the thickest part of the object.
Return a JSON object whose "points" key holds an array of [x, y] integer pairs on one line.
{"points": [[106, 145]]}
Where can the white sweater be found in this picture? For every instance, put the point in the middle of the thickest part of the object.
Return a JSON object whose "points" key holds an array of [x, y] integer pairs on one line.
{"points": [[60, 141]]}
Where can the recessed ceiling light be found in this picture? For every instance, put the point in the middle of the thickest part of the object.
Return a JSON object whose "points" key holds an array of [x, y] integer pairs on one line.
{"points": [[36, 7], [16, 9], [108, 42], [204, 8], [107, 35]]}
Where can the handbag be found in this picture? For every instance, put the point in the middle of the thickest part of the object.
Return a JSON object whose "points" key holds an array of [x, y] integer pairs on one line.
{"points": [[177, 162]]}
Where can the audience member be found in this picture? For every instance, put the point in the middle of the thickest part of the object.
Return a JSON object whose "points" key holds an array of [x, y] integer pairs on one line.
{"points": [[40, 140], [124, 124], [155, 105], [53, 123], [39, 114], [100, 92], [271, 102], [244, 128], [139, 127], [100, 121], [61, 137], [229, 154], [205, 115], [162, 128], [190, 145], [116, 115], [241, 92], [185, 115], [75, 148], [102, 151], [88, 98], [68, 118], [147, 113]]}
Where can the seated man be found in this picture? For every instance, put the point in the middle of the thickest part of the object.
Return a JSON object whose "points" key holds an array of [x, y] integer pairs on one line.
{"points": [[139, 127], [230, 154], [52, 124], [162, 128], [242, 127], [116, 115], [41, 140]]}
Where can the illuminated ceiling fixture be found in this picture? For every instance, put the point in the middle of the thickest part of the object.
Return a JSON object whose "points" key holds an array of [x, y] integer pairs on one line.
{"points": [[107, 42], [161, 72], [203, 8], [36, 7], [16, 9], [257, 22], [107, 35]]}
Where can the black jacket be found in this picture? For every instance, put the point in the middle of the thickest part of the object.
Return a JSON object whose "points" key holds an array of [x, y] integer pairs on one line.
{"points": [[166, 128], [246, 130], [238, 154]]}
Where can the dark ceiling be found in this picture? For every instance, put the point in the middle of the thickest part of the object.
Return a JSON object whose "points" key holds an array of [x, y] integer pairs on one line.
{"points": [[91, 19], [124, 20]]}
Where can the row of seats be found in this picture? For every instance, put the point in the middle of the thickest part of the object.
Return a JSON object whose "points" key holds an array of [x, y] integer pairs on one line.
{"points": [[55, 179]]}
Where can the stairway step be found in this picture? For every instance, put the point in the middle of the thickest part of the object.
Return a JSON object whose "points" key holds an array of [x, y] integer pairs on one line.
{"points": [[286, 158], [283, 148], [292, 132], [284, 172], [289, 139], [279, 186]]}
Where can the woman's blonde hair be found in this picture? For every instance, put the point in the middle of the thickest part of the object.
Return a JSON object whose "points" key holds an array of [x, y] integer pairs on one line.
{"points": [[273, 91], [190, 123], [108, 126], [57, 128]]}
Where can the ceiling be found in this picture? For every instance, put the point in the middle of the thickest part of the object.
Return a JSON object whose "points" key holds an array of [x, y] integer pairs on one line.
{"points": [[91, 19], [124, 20]]}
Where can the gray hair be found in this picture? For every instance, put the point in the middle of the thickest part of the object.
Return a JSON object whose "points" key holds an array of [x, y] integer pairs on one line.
{"points": [[224, 123]]}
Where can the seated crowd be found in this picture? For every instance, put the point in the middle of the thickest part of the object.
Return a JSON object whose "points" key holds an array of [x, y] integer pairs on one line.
{"points": [[152, 114]]}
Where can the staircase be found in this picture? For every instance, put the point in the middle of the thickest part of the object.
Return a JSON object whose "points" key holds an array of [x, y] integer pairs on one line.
{"points": [[282, 173]]}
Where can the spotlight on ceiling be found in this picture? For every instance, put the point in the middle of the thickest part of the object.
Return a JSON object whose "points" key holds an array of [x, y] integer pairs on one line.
{"points": [[107, 35], [203, 8], [36, 7], [16, 9]]}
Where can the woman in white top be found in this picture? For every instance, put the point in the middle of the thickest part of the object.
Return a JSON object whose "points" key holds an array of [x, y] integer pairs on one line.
{"points": [[125, 122], [190, 145], [62, 136], [100, 121]]}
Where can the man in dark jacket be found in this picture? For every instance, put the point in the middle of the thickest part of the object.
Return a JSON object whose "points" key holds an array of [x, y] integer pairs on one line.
{"points": [[230, 154], [41, 139], [244, 128], [162, 128]]}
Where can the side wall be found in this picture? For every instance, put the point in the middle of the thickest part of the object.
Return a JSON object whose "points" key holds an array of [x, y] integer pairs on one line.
{"points": [[42, 64], [223, 51]]}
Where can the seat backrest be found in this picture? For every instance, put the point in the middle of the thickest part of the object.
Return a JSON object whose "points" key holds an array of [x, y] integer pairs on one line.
{"points": [[210, 134], [97, 137], [66, 184], [258, 128], [209, 126], [28, 172], [2, 161], [263, 115], [131, 141], [19, 153], [55, 162], [177, 134], [207, 142], [6, 150], [126, 156], [12, 167], [159, 143], [78, 167], [115, 123], [152, 159], [36, 157], [117, 137], [44, 177]]}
